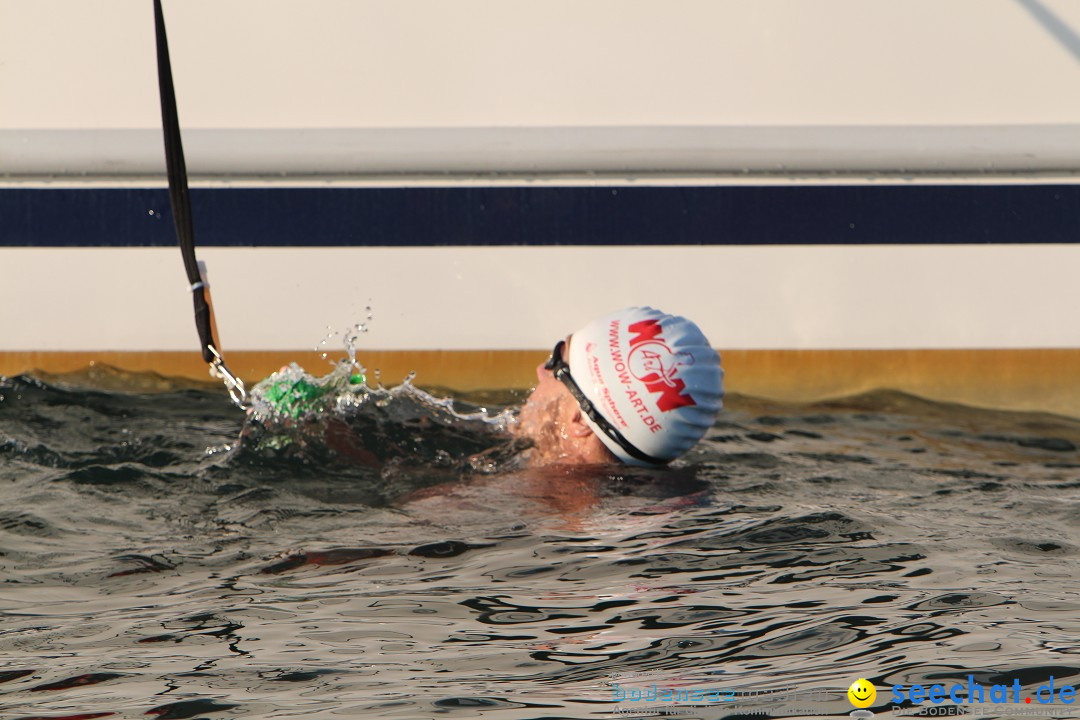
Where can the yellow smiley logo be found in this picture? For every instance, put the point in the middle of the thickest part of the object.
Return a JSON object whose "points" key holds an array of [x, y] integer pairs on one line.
{"points": [[861, 693]]}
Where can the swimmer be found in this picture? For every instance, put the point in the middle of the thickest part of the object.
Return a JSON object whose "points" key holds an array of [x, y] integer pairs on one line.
{"points": [[637, 386]]}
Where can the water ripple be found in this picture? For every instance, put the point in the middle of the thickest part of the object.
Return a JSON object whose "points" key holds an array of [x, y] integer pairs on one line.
{"points": [[798, 547]]}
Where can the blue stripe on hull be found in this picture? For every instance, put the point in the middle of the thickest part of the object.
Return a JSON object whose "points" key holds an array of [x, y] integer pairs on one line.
{"points": [[548, 215]]}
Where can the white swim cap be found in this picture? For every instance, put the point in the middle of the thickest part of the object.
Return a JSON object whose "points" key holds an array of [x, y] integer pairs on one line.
{"points": [[654, 377]]}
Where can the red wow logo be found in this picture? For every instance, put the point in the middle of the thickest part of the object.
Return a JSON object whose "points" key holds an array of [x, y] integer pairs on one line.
{"points": [[652, 362]]}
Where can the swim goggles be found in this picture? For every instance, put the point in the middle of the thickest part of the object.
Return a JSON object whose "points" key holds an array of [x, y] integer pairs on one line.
{"points": [[561, 370]]}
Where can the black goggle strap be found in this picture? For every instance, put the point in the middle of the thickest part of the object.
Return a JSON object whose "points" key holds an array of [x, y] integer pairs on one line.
{"points": [[562, 374], [555, 359]]}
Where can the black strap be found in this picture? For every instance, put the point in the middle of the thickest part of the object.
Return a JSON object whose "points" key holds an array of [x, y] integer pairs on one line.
{"points": [[178, 188]]}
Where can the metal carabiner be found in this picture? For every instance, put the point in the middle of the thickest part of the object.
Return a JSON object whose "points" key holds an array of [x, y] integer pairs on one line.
{"points": [[233, 384]]}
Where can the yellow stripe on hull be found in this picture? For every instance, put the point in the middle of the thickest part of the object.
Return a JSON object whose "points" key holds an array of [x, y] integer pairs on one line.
{"points": [[1015, 379]]}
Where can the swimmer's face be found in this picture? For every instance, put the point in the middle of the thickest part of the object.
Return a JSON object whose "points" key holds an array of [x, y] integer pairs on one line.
{"points": [[542, 415], [552, 419]]}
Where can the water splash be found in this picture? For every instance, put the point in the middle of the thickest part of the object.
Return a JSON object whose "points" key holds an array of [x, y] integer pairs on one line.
{"points": [[340, 417], [331, 333], [291, 393]]}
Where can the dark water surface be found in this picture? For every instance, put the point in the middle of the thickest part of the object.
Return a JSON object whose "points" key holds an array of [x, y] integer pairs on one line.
{"points": [[152, 566]]}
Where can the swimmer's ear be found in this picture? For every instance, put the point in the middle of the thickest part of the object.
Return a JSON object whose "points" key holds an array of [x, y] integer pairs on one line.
{"points": [[577, 427], [590, 446]]}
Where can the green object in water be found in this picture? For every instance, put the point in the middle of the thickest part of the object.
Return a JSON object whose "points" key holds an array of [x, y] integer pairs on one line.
{"points": [[294, 398]]}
